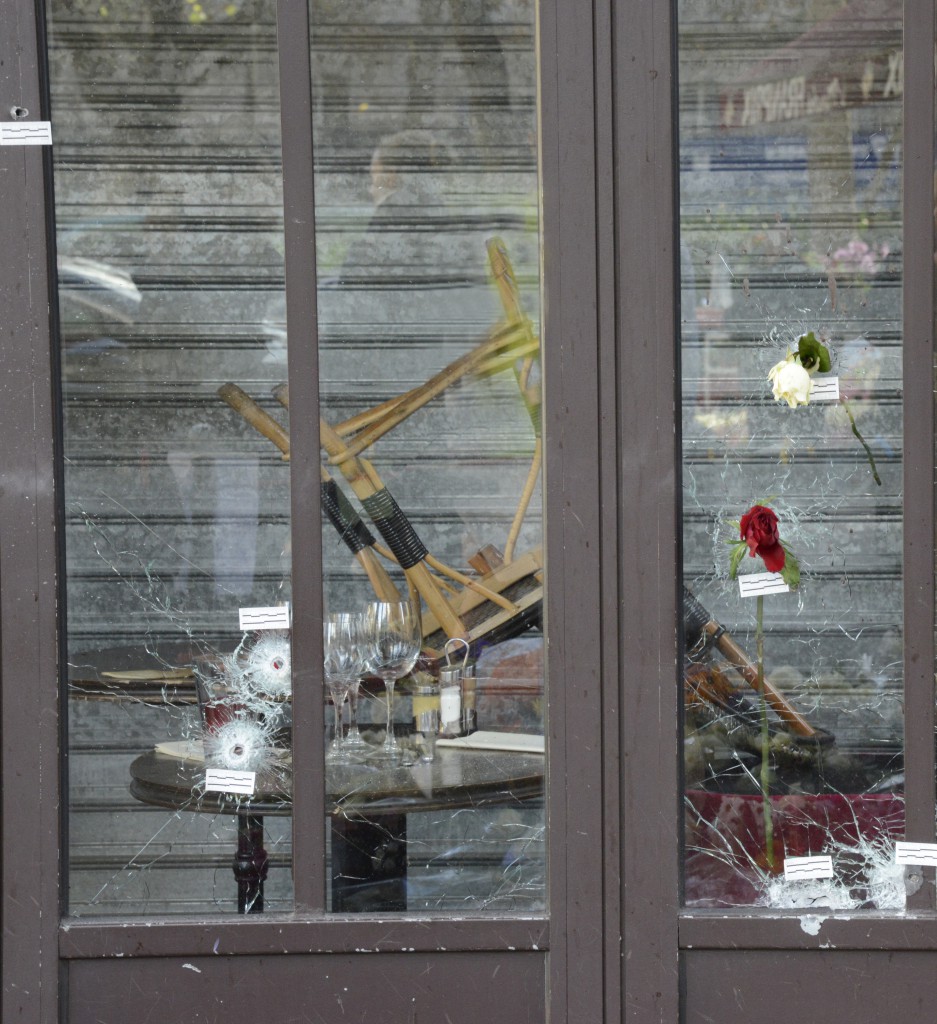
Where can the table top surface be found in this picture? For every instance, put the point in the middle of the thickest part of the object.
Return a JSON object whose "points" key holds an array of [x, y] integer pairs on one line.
{"points": [[455, 778]]}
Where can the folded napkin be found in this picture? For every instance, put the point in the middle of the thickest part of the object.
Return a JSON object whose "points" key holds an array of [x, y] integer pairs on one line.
{"points": [[522, 742]]}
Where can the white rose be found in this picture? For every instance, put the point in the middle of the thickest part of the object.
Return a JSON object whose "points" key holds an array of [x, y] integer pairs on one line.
{"points": [[790, 382]]}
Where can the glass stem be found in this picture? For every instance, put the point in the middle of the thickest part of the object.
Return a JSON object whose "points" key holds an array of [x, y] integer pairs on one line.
{"points": [[353, 704], [390, 741], [338, 722]]}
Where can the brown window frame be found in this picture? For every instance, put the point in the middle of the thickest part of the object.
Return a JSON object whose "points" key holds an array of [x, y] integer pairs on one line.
{"points": [[615, 944], [584, 882]]}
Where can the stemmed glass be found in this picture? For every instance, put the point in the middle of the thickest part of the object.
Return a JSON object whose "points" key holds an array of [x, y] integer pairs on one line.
{"points": [[353, 738], [393, 637], [344, 662], [354, 741]]}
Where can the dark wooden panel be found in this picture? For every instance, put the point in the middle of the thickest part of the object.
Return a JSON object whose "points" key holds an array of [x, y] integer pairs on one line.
{"points": [[647, 562], [580, 545], [455, 988], [29, 594], [771, 987]]}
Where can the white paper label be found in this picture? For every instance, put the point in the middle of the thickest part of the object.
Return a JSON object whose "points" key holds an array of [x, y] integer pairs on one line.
{"points": [[825, 389], [275, 617], [25, 133], [220, 780], [757, 583], [820, 866], [923, 854]]}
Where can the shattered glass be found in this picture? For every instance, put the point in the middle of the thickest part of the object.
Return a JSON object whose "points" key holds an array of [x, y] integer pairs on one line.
{"points": [[791, 229], [169, 235], [169, 231]]}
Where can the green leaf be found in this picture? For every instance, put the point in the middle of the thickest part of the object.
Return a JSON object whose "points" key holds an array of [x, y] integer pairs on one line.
{"points": [[813, 354], [791, 571], [737, 556]]}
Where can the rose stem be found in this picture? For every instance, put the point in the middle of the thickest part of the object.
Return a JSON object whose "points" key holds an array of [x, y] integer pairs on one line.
{"points": [[868, 450], [765, 736]]}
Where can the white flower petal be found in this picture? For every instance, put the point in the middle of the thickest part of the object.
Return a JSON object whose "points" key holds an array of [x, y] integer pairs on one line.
{"points": [[790, 383]]}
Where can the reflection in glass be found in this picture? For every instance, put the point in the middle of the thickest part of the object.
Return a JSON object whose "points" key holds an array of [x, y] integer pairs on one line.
{"points": [[428, 270], [169, 239], [791, 348]]}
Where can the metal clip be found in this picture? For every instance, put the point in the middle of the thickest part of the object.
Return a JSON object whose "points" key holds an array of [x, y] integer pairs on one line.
{"points": [[457, 640]]}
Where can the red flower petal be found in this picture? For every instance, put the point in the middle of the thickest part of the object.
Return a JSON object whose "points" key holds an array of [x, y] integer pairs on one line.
{"points": [[773, 557]]}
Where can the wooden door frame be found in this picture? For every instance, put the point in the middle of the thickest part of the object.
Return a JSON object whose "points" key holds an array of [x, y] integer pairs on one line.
{"points": [[29, 528], [737, 962], [577, 950]]}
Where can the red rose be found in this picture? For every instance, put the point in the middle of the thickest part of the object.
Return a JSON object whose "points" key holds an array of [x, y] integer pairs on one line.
{"points": [[759, 530]]}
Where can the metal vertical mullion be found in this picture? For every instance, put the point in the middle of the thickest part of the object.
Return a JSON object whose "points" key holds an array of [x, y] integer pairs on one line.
{"points": [[309, 875], [31, 791], [918, 369]]}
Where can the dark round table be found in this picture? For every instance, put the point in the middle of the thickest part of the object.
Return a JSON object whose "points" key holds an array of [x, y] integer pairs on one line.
{"points": [[368, 805]]}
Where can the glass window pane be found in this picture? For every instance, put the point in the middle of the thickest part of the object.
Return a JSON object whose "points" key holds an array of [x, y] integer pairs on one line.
{"points": [[791, 257], [169, 235], [425, 139]]}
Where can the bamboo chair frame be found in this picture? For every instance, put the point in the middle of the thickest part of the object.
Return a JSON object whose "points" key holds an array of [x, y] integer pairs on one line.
{"points": [[448, 608]]}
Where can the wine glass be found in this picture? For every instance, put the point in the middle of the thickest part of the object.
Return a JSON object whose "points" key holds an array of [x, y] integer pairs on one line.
{"points": [[392, 629], [353, 738], [344, 661]]}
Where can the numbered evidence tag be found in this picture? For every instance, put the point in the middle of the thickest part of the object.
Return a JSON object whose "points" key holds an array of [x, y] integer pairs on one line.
{"points": [[25, 133], [922, 854], [801, 868], [755, 584], [824, 389], [275, 617], [221, 780]]}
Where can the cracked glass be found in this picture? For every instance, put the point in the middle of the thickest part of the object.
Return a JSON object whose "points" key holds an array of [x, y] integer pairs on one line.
{"points": [[170, 274], [791, 236], [176, 434]]}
